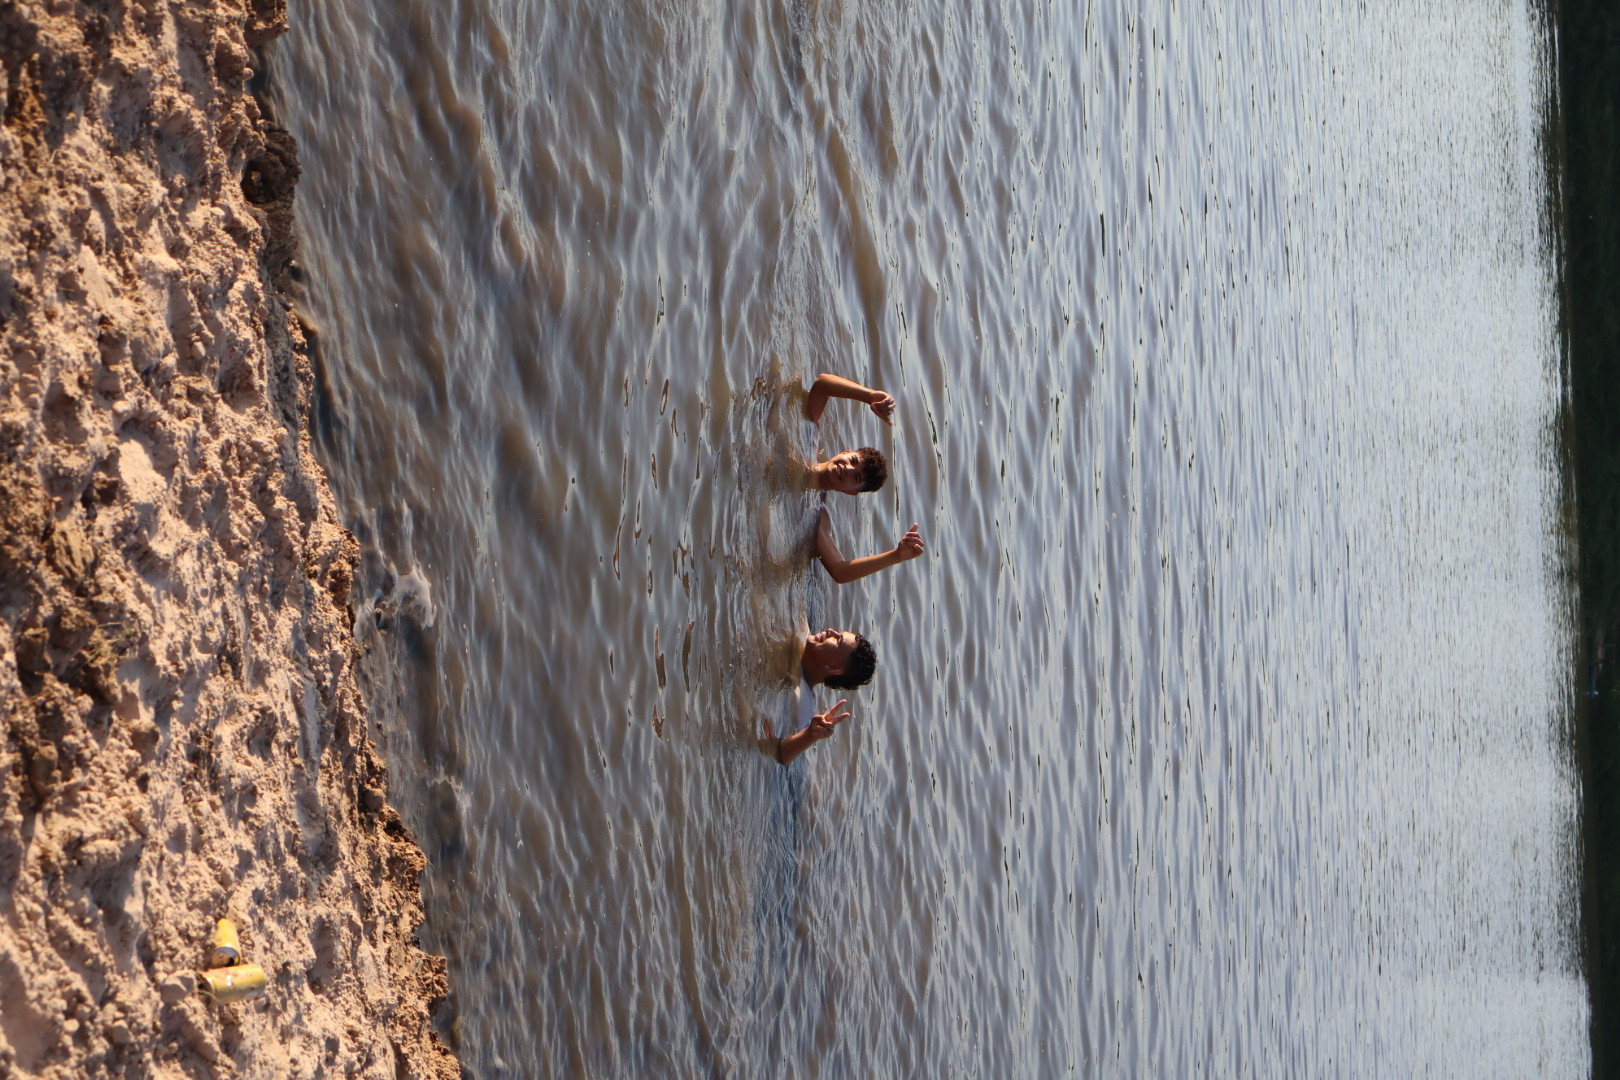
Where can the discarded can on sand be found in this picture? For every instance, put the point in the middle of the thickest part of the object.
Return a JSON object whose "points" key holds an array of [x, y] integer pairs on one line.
{"points": [[228, 984], [227, 945]]}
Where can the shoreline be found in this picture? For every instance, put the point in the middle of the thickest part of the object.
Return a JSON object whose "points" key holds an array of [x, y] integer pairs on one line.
{"points": [[184, 738]]}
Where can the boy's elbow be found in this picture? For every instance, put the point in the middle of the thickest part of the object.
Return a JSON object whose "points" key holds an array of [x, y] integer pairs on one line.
{"points": [[835, 570]]}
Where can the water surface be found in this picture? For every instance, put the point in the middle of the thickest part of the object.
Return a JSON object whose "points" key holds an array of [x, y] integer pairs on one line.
{"points": [[1223, 729]]}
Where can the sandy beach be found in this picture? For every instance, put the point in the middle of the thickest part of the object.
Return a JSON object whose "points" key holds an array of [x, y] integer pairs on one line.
{"points": [[183, 735]]}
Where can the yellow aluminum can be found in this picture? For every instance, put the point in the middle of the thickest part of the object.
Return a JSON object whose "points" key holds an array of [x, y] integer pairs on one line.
{"points": [[227, 945], [237, 983]]}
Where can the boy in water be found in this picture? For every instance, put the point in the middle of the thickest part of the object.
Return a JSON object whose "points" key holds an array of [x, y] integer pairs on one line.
{"points": [[853, 472], [850, 471], [841, 659]]}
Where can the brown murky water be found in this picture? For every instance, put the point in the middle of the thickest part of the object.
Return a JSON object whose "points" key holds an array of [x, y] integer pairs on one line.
{"points": [[1222, 730]]}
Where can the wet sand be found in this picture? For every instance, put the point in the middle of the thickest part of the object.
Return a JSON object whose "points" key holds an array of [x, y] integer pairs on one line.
{"points": [[183, 735]]}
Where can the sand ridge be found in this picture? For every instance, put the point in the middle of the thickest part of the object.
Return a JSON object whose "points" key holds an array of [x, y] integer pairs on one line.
{"points": [[181, 736]]}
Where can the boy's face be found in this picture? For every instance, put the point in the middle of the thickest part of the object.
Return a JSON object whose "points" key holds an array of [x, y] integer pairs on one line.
{"points": [[829, 651], [844, 473]]}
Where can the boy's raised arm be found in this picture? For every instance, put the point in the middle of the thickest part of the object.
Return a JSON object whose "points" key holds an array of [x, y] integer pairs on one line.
{"points": [[830, 386], [845, 570], [820, 727]]}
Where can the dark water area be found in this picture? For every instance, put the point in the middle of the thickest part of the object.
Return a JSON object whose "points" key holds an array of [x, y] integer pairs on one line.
{"points": [[1589, 70]]}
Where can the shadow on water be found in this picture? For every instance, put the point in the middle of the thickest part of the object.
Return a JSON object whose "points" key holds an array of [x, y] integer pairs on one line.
{"points": [[1583, 154]]}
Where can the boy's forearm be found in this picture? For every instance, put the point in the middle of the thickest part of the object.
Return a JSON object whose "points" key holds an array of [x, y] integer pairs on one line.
{"points": [[837, 386], [791, 746], [831, 386], [845, 571]]}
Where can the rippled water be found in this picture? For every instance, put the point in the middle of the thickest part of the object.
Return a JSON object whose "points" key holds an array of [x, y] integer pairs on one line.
{"points": [[1223, 728]]}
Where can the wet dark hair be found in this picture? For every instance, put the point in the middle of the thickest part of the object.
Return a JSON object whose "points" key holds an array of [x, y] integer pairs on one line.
{"points": [[874, 468], [859, 669]]}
